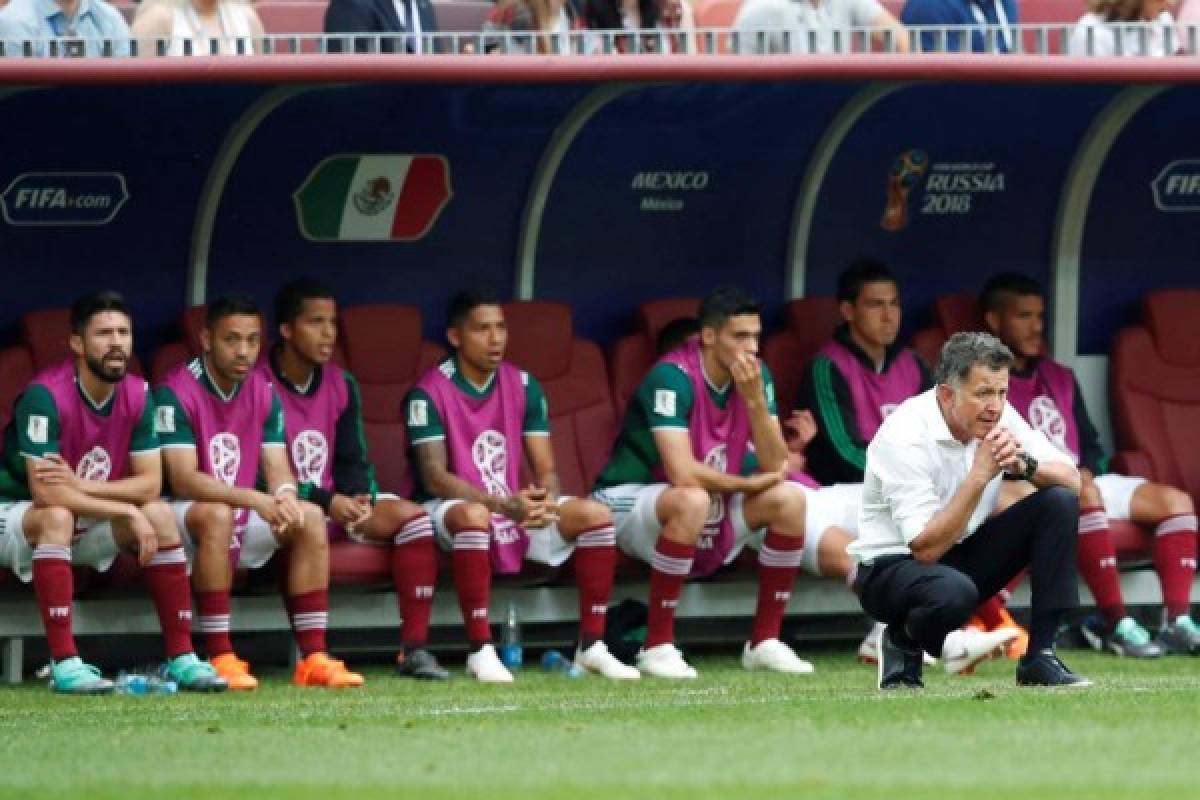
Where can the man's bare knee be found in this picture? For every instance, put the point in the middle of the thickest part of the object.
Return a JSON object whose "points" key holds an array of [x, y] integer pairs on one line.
{"points": [[585, 515], [161, 518], [50, 526], [468, 516]]}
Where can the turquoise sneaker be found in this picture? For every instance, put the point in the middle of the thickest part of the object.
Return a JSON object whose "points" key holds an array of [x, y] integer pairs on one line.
{"points": [[73, 676], [1127, 638], [193, 675], [1181, 637]]}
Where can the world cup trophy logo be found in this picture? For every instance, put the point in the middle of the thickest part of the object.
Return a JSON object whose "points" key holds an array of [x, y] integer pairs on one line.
{"points": [[490, 455], [96, 465], [225, 456], [310, 454], [1044, 416], [906, 170]]}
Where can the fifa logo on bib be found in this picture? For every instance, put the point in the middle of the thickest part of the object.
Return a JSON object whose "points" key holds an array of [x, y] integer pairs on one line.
{"points": [[1044, 416], [225, 456], [96, 465], [310, 454], [490, 456], [718, 459]]}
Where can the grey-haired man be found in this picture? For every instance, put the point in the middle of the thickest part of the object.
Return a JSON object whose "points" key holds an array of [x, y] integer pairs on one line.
{"points": [[927, 549]]}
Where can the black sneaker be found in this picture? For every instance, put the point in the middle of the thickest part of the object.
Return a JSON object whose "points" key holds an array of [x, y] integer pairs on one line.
{"points": [[1127, 638], [899, 667], [1181, 637], [420, 664], [1045, 669]]}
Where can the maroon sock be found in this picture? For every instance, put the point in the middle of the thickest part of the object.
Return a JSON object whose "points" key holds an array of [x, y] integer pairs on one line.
{"points": [[213, 608], [309, 613], [473, 582], [1098, 564], [778, 562], [670, 567], [54, 585], [167, 579], [595, 560], [989, 612], [1175, 562], [414, 570]]}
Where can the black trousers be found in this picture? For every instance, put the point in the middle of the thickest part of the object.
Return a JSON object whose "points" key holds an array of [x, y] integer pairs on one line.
{"points": [[924, 602]]}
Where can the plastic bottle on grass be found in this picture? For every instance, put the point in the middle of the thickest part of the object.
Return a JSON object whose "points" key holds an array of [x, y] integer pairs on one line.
{"points": [[512, 654], [137, 683], [554, 661]]}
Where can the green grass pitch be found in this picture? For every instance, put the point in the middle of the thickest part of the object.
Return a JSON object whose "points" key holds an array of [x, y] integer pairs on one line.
{"points": [[730, 734]]}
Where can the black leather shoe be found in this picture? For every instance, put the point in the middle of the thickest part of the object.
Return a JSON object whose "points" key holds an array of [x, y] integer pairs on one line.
{"points": [[1045, 669], [899, 667], [422, 665]]}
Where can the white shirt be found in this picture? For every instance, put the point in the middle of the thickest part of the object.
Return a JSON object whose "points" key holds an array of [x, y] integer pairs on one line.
{"points": [[915, 465], [413, 26], [799, 17], [1160, 37]]}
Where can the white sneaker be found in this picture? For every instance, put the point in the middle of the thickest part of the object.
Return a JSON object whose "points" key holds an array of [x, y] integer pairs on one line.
{"points": [[484, 666], [868, 649], [774, 655], [597, 659], [965, 648], [664, 661]]}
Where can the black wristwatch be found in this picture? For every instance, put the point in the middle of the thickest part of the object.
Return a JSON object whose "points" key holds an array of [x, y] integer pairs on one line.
{"points": [[1031, 467]]}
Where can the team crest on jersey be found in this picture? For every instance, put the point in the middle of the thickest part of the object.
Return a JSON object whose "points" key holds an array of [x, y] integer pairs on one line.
{"points": [[718, 459], [164, 419], [418, 413], [490, 455], [1045, 416], [39, 428], [310, 454], [664, 402], [96, 465], [225, 456]]}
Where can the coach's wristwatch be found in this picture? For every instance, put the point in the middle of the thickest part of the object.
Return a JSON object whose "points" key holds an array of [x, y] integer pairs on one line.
{"points": [[1031, 467]]}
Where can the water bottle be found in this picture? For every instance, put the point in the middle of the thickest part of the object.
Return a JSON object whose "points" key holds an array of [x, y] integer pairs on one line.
{"points": [[512, 654], [138, 684], [554, 661]]}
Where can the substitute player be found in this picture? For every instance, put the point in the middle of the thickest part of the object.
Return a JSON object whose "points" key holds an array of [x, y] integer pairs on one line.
{"points": [[679, 487], [471, 420], [80, 479], [220, 420], [322, 413]]}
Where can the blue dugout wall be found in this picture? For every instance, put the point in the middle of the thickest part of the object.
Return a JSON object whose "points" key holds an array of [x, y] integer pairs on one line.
{"points": [[604, 182]]}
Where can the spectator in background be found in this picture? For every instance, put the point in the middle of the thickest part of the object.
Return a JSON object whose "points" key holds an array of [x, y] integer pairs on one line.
{"points": [[642, 15], [800, 19], [978, 15], [232, 23], [553, 19], [415, 17], [1189, 14], [82, 27], [1112, 27]]}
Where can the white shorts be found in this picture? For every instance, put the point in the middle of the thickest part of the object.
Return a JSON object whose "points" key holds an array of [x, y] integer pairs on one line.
{"points": [[633, 508], [824, 508], [258, 543], [1116, 492], [546, 545], [93, 545], [356, 536]]}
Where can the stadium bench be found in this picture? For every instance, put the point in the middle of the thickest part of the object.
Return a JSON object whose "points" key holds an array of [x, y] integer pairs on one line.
{"points": [[633, 355], [808, 323]]}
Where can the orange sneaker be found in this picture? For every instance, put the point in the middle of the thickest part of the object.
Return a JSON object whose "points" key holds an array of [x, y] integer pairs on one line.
{"points": [[235, 671], [319, 669], [1018, 646]]}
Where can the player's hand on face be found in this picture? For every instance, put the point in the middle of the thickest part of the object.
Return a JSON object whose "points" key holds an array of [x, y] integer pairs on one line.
{"points": [[52, 470], [747, 377], [146, 536]]}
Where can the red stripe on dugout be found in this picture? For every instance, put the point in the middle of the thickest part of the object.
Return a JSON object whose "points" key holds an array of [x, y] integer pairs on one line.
{"points": [[426, 191]]}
